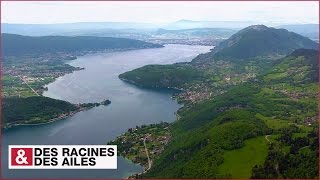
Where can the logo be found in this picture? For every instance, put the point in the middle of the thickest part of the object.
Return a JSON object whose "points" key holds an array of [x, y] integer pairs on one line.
{"points": [[21, 156], [62, 157]]}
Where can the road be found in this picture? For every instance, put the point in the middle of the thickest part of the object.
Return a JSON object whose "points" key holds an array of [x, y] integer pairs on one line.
{"points": [[267, 138], [178, 116], [29, 86], [145, 148]]}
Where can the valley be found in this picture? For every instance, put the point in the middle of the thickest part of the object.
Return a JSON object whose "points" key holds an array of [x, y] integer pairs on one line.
{"points": [[98, 125], [180, 90], [247, 107]]}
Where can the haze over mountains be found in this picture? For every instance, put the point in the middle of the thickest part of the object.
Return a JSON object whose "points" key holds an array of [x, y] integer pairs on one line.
{"points": [[122, 29], [51, 29]]}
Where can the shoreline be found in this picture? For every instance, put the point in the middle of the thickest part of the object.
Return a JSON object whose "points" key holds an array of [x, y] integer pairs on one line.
{"points": [[82, 54], [52, 120], [178, 117], [136, 84], [45, 86], [64, 117]]}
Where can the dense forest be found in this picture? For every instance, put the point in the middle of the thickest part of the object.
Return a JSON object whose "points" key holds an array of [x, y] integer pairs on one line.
{"points": [[163, 76], [33, 109], [40, 109], [290, 156]]}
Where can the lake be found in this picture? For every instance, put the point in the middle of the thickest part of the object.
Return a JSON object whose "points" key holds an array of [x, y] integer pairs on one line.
{"points": [[130, 106]]}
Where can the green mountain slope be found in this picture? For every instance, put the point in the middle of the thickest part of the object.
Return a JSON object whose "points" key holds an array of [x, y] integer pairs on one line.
{"points": [[213, 128], [253, 95], [259, 40], [163, 76], [244, 55], [17, 45]]}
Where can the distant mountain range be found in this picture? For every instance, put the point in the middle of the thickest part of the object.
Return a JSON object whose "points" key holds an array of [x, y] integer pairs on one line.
{"points": [[189, 24], [200, 32], [138, 30], [60, 29]]}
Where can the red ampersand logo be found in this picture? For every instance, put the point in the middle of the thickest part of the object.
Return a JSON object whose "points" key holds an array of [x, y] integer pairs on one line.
{"points": [[21, 156]]}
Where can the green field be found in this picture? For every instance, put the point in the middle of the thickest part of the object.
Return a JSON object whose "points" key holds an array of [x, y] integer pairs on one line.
{"points": [[273, 123], [239, 162]]}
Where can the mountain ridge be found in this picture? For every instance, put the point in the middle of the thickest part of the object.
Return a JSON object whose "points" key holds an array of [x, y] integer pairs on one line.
{"points": [[260, 40]]}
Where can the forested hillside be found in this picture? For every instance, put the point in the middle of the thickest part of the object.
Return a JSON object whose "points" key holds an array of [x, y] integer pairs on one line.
{"points": [[17, 45], [250, 109], [245, 54], [259, 40], [280, 109], [33, 109], [163, 76]]}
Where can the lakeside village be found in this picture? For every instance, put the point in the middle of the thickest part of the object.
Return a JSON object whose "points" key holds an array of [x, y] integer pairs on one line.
{"points": [[25, 76], [143, 144]]}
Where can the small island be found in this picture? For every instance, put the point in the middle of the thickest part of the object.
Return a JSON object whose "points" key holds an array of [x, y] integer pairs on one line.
{"points": [[90, 105], [106, 102]]}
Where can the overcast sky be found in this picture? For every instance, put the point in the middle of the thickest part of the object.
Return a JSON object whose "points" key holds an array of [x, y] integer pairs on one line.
{"points": [[158, 12]]}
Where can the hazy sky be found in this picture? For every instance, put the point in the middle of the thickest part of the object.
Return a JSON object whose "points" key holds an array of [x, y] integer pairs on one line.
{"points": [[158, 12]]}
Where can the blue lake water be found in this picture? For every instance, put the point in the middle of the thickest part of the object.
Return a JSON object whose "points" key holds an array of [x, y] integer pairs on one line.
{"points": [[130, 106]]}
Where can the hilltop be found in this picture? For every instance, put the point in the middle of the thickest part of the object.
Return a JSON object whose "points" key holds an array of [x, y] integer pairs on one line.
{"points": [[260, 40]]}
